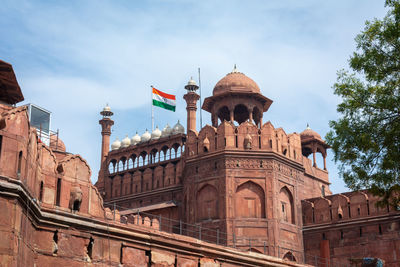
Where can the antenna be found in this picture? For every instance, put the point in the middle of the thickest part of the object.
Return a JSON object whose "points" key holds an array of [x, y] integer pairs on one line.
{"points": [[201, 117]]}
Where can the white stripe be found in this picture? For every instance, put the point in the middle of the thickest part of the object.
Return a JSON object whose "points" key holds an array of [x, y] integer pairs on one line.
{"points": [[164, 100]]}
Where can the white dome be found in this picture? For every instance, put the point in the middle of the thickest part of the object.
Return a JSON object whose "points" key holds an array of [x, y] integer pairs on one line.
{"points": [[107, 108], [116, 144], [178, 129], [156, 134], [126, 142], [145, 137], [191, 81], [135, 139], [166, 131]]}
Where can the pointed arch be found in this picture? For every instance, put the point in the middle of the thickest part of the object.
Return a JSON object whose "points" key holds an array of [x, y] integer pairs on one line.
{"points": [[250, 201], [289, 256], [111, 166], [286, 205], [207, 203]]}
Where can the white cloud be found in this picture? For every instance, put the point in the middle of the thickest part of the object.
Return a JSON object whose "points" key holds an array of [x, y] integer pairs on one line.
{"points": [[73, 58]]}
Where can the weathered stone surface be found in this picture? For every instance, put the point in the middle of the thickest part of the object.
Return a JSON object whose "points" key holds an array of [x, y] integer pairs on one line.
{"points": [[186, 262], [132, 257], [162, 259], [70, 245], [206, 262]]}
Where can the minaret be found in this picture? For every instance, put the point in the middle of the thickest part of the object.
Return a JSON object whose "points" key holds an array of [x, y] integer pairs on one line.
{"points": [[191, 98], [106, 122]]}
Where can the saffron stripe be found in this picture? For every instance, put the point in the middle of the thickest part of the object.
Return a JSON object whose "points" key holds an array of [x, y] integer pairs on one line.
{"points": [[165, 100], [163, 105], [158, 92]]}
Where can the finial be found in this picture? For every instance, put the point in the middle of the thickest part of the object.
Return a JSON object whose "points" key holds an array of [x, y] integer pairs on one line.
{"points": [[235, 70], [308, 126]]}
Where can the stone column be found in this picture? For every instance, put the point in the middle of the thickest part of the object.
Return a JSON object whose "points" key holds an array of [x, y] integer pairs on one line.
{"points": [[191, 98], [214, 119], [250, 110], [314, 149], [106, 124]]}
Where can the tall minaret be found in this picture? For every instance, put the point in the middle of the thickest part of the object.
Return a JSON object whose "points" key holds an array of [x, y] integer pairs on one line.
{"points": [[191, 98], [106, 122]]}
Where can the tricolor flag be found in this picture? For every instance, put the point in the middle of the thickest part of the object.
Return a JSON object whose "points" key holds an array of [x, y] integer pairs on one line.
{"points": [[163, 100]]}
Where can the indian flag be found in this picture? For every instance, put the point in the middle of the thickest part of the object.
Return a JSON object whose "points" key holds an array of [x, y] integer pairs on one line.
{"points": [[163, 100]]}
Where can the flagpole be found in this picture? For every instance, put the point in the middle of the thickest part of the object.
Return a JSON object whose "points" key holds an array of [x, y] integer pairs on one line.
{"points": [[152, 109], [201, 118]]}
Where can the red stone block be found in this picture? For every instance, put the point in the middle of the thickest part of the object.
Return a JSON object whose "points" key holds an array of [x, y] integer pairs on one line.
{"points": [[132, 257]]}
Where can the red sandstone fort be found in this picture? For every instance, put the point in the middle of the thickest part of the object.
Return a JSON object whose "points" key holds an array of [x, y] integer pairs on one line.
{"points": [[239, 192]]}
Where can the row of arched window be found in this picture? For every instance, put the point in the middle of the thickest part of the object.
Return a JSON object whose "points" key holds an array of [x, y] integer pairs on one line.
{"points": [[145, 158], [249, 202]]}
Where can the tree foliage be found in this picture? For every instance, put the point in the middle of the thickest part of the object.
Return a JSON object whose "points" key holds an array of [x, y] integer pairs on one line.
{"points": [[366, 138]]}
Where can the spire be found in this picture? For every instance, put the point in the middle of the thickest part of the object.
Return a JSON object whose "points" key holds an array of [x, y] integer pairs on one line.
{"points": [[235, 70]]}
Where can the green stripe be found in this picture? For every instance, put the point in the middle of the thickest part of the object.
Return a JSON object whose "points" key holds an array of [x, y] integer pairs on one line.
{"points": [[163, 105]]}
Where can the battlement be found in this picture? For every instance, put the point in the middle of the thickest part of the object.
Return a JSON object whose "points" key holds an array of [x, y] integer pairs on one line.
{"points": [[343, 207], [247, 136]]}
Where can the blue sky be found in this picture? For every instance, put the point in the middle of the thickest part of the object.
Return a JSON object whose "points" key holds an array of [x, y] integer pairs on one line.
{"points": [[73, 57]]}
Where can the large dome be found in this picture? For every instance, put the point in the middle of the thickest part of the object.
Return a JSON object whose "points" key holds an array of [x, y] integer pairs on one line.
{"points": [[236, 82]]}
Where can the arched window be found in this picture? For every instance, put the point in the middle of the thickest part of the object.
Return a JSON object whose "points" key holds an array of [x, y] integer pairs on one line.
{"points": [[207, 203], [120, 165], [111, 167], [286, 203], [241, 114], [223, 114], [289, 256], [130, 163], [250, 201]]}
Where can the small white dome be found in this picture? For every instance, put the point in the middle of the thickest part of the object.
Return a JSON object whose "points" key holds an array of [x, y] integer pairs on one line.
{"points": [[145, 137], [156, 134], [135, 139], [178, 129], [107, 108], [116, 144], [191, 81], [166, 131], [126, 142]]}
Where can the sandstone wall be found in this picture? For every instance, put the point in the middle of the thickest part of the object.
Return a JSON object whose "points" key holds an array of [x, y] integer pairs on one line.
{"points": [[352, 226]]}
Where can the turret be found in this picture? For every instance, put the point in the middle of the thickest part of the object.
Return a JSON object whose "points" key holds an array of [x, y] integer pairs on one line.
{"points": [[236, 98], [106, 124], [191, 98]]}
